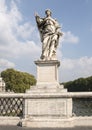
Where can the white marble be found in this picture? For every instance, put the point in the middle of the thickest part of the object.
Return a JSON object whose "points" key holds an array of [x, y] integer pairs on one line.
{"points": [[50, 33], [47, 73]]}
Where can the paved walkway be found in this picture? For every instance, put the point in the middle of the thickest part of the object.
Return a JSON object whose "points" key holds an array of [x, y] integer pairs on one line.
{"points": [[24, 128]]}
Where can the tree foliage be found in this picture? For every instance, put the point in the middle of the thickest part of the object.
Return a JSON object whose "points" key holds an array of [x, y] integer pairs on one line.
{"points": [[17, 81], [79, 85]]}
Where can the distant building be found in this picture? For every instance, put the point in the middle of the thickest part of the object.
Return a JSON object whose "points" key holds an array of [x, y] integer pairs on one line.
{"points": [[2, 85]]}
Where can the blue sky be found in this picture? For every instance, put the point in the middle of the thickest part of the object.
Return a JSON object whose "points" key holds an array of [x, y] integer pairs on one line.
{"points": [[20, 44]]}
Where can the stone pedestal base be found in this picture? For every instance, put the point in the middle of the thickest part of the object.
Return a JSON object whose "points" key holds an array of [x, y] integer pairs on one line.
{"points": [[47, 78], [48, 123], [47, 110], [47, 107], [39, 90]]}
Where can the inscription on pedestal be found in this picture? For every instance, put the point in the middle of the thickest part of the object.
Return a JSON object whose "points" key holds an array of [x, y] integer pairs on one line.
{"points": [[47, 72], [45, 107]]}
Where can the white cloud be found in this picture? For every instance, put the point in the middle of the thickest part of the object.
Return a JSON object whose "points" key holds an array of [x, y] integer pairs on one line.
{"points": [[74, 68], [24, 31], [3, 7], [68, 37], [6, 64], [15, 36]]}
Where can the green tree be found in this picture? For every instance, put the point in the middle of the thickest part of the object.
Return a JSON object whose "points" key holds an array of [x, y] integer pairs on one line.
{"points": [[17, 81], [79, 85]]}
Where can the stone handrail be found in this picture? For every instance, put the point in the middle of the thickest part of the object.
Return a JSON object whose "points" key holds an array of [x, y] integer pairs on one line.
{"points": [[63, 95]]}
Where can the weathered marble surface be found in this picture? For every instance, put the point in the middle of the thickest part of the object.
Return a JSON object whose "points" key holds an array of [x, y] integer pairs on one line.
{"points": [[50, 34], [47, 73]]}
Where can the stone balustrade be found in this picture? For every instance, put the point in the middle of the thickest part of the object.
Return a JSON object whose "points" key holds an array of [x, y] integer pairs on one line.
{"points": [[12, 105]]}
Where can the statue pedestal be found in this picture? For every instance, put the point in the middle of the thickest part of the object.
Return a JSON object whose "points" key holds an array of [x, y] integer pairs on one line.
{"points": [[47, 77], [46, 105], [47, 73]]}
